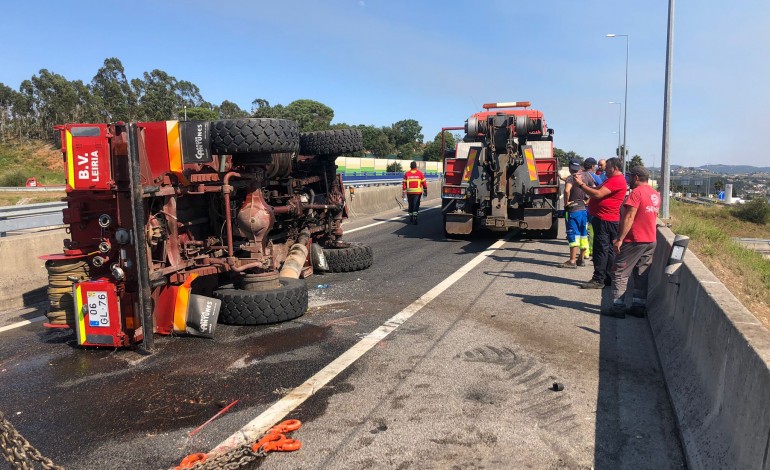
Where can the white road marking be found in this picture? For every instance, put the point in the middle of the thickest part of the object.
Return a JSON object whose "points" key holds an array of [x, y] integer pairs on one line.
{"points": [[22, 323], [385, 221], [259, 425]]}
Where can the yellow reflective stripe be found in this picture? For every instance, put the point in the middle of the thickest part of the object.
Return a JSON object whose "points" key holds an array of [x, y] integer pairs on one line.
{"points": [[531, 164], [80, 314], [181, 304], [173, 140], [70, 161], [472, 153]]}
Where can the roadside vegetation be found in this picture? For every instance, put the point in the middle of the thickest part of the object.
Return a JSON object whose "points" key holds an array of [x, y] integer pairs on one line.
{"points": [[20, 160], [711, 229]]}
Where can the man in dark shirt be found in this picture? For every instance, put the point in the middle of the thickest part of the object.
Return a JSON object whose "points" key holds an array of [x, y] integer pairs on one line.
{"points": [[577, 217]]}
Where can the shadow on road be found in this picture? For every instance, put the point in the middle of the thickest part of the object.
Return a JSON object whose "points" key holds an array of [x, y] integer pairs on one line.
{"points": [[555, 303], [635, 426], [535, 276]]}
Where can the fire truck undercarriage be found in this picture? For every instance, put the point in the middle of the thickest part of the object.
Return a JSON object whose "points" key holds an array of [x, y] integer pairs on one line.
{"points": [[178, 225]]}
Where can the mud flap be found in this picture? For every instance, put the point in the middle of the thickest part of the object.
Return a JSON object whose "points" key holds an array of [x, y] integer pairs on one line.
{"points": [[538, 218], [458, 224], [202, 315]]}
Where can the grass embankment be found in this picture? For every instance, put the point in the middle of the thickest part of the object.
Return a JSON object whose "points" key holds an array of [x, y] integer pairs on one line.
{"points": [[13, 199], [744, 272], [28, 159]]}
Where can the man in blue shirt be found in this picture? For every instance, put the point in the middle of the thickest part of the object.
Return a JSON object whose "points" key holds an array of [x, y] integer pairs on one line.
{"points": [[601, 169], [589, 165]]}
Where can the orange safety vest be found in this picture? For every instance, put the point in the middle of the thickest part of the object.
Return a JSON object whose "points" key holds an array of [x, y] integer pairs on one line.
{"points": [[414, 182]]}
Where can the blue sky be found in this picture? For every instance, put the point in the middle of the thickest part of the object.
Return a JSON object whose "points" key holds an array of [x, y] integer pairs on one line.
{"points": [[380, 61]]}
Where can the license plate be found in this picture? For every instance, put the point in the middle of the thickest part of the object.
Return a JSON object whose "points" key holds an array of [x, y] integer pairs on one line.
{"points": [[98, 312]]}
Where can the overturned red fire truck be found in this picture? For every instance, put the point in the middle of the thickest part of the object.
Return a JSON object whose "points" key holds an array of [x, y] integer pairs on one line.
{"points": [[174, 226]]}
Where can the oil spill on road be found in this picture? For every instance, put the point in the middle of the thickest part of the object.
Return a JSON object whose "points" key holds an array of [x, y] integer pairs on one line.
{"points": [[98, 395]]}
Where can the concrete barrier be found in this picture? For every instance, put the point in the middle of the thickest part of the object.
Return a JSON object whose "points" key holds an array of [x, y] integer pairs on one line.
{"points": [[715, 357], [23, 277], [373, 200]]}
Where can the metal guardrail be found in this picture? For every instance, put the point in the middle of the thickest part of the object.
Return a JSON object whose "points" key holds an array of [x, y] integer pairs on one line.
{"points": [[28, 216], [374, 180], [31, 189]]}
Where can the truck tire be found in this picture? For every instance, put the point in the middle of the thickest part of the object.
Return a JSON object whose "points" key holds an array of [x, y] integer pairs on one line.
{"points": [[334, 142], [257, 135], [352, 258], [243, 307]]}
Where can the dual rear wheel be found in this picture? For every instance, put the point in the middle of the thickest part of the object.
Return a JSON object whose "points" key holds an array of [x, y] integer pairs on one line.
{"points": [[290, 299]]}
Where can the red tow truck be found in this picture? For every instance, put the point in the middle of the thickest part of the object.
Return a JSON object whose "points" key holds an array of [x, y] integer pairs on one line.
{"points": [[503, 174]]}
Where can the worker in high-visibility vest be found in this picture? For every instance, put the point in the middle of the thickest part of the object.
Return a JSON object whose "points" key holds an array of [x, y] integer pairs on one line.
{"points": [[414, 186]]}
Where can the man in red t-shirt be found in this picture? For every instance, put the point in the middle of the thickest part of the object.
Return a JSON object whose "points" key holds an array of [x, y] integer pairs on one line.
{"points": [[635, 244], [604, 207]]}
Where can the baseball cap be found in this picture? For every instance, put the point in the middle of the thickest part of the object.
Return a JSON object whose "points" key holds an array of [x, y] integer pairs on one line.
{"points": [[640, 171], [574, 165], [589, 162]]}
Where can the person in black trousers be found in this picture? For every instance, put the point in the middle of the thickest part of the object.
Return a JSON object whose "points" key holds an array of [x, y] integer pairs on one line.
{"points": [[604, 206]]}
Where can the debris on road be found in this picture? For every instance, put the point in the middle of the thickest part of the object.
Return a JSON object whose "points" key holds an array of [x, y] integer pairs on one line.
{"points": [[221, 412]]}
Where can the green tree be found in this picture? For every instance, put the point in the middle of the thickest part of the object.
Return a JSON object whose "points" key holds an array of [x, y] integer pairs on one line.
{"points": [[719, 185], [394, 167], [564, 157], [22, 104], [635, 161], [55, 100], [310, 115], [7, 96], [756, 211], [406, 152], [188, 94], [202, 114], [406, 132], [230, 110], [87, 107], [261, 109], [157, 96], [113, 93], [432, 150], [376, 141]]}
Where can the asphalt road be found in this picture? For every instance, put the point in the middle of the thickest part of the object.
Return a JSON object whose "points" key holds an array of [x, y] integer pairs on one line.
{"points": [[461, 381]]}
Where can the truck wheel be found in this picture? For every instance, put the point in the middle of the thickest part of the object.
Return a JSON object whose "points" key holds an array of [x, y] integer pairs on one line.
{"points": [[334, 142], [258, 135], [352, 258], [243, 307]]}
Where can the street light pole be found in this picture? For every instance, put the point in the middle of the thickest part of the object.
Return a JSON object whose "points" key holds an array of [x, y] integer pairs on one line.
{"points": [[665, 167], [620, 110], [625, 100]]}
